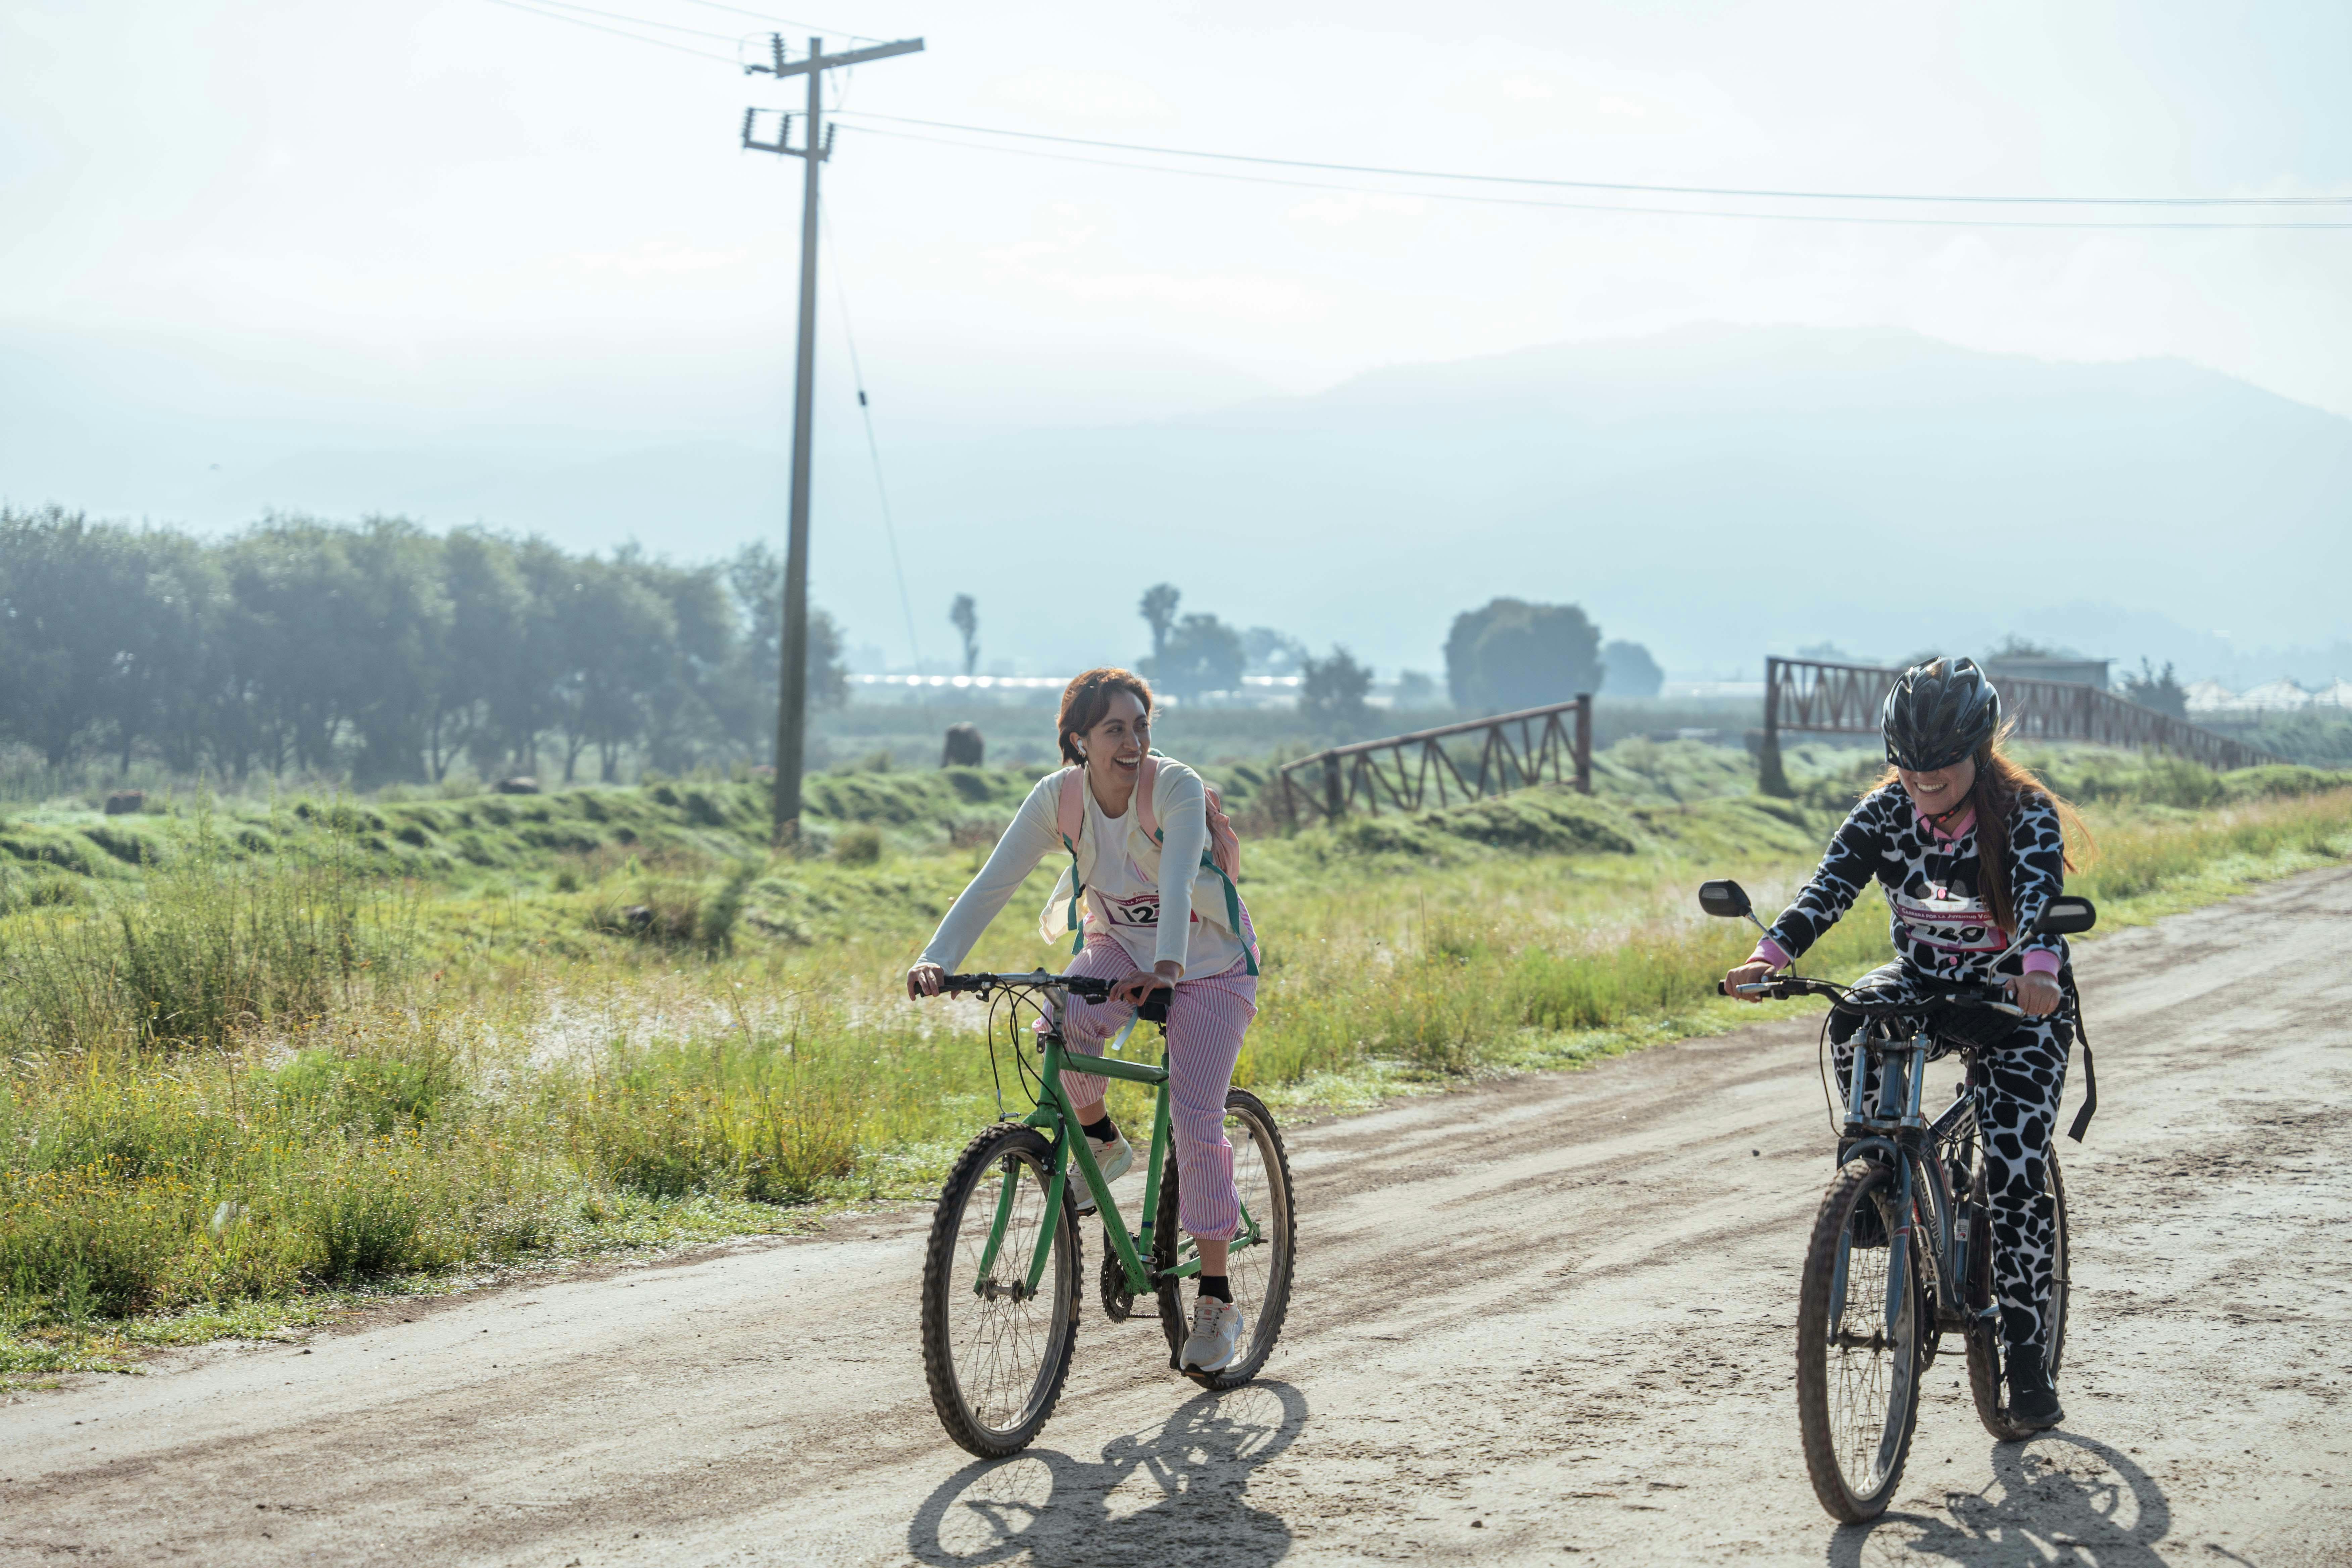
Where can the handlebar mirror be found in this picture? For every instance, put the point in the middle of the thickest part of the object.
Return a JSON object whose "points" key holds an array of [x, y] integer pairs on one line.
{"points": [[2066, 917], [1726, 901]]}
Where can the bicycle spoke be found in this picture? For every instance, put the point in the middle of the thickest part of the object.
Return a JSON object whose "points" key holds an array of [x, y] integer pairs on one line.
{"points": [[1000, 1334]]}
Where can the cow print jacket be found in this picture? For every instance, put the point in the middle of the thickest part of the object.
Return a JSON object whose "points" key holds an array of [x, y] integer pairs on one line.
{"points": [[1943, 928]]}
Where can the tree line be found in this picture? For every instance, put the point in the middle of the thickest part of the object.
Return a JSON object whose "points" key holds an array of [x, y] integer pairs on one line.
{"points": [[383, 649], [1507, 654]]}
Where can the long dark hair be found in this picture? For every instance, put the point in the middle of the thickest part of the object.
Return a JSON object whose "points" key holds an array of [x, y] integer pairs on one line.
{"points": [[2001, 782]]}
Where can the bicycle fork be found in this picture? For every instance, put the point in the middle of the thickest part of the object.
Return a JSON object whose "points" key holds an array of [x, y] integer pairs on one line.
{"points": [[1894, 1130]]}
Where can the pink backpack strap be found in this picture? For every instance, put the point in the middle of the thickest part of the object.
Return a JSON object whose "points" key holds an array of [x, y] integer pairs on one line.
{"points": [[1147, 785], [1224, 843], [1069, 817], [1070, 807]]}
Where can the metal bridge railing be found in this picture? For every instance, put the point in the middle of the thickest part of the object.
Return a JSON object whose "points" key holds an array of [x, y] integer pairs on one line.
{"points": [[1802, 694], [1556, 741]]}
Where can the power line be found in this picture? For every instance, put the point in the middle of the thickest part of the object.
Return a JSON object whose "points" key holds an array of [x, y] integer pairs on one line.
{"points": [[616, 32], [1617, 185], [787, 21], [1873, 219], [872, 447], [643, 22]]}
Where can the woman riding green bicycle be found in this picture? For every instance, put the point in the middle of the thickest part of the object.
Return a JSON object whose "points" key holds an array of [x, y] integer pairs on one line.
{"points": [[1124, 815]]}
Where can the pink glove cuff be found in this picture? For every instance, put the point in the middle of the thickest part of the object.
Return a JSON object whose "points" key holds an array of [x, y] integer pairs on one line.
{"points": [[2040, 960], [1769, 951]]}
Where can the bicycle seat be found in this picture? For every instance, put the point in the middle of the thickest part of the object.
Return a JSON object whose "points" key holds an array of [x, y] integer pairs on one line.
{"points": [[1154, 1009]]}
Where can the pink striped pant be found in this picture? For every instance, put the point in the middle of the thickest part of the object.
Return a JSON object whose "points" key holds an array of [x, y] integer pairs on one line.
{"points": [[1206, 1020]]}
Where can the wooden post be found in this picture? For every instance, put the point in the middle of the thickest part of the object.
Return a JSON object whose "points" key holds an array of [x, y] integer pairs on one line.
{"points": [[1332, 803], [1770, 777], [1584, 742]]}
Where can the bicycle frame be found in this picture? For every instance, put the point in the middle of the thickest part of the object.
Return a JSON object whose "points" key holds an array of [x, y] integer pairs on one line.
{"points": [[1897, 1131], [1056, 1117]]}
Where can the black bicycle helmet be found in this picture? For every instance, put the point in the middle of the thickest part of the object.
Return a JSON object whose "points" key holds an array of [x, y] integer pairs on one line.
{"points": [[1938, 712]]}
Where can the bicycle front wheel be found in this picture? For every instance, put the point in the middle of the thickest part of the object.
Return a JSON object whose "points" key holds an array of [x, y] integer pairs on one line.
{"points": [[995, 1352], [1857, 1346], [1259, 1267]]}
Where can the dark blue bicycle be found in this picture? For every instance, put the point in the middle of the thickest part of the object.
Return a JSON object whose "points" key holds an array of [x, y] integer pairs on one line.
{"points": [[1902, 1246]]}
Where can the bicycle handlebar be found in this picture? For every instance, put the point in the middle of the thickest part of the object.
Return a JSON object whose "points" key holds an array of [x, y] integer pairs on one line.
{"points": [[1784, 986], [1086, 988]]}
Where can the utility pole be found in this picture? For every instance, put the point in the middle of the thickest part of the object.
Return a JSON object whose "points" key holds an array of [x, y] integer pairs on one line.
{"points": [[791, 704]]}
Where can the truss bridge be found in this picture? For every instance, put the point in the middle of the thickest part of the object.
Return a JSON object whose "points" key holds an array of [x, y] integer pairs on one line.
{"points": [[1806, 694], [1535, 745]]}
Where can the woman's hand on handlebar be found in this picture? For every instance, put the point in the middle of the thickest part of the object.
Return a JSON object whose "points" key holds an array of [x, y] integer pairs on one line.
{"points": [[2038, 996], [1131, 991], [1754, 973], [923, 980]]}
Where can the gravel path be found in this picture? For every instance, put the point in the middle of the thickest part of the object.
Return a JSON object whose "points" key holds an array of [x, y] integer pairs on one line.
{"points": [[1547, 1320]]}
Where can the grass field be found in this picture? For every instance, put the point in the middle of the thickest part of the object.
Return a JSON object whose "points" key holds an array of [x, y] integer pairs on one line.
{"points": [[261, 1058]]}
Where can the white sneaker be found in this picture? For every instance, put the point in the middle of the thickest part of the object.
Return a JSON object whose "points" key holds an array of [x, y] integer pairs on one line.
{"points": [[1216, 1340], [1113, 1158]]}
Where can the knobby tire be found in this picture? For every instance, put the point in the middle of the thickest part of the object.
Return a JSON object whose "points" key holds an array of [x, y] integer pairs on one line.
{"points": [[996, 1368], [1278, 1218], [1985, 1345], [1838, 1410]]}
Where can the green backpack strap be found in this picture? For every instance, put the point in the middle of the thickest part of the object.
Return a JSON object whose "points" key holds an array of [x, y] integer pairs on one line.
{"points": [[1233, 899]]}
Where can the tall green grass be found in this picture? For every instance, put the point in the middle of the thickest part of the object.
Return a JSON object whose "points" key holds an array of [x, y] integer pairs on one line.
{"points": [[245, 1086], [211, 946]]}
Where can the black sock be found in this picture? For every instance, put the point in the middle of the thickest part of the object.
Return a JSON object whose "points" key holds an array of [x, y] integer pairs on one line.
{"points": [[1100, 1130], [1217, 1288]]}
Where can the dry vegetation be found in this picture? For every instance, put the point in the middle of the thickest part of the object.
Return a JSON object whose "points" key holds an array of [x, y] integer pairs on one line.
{"points": [[243, 1081]]}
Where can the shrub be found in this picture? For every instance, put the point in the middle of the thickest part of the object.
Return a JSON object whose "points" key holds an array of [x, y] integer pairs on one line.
{"points": [[858, 845], [216, 946]]}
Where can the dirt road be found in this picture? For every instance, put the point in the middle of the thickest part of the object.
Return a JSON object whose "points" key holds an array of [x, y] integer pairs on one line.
{"points": [[1546, 1320]]}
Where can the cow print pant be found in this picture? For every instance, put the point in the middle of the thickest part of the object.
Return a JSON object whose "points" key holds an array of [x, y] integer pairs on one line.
{"points": [[2017, 1115]]}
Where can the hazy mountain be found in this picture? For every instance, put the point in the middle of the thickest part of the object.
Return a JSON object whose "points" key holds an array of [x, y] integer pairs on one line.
{"points": [[1713, 492]]}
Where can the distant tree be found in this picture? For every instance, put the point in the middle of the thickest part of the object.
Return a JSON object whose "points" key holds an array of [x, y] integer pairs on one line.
{"points": [[1415, 688], [382, 649], [1331, 694], [755, 581], [964, 615], [1200, 653], [2162, 692], [1627, 670], [1512, 654], [610, 633], [688, 720], [2015, 647], [402, 626], [1269, 652], [487, 697], [300, 637], [1158, 610], [74, 633]]}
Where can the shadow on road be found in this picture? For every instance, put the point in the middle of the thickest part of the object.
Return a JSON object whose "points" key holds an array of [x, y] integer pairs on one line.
{"points": [[2060, 1498], [1173, 1495]]}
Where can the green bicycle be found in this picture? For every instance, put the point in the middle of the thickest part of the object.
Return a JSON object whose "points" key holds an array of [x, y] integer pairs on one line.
{"points": [[1005, 1266]]}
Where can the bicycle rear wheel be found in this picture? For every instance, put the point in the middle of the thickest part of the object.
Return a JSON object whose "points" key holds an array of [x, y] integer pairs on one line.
{"points": [[1259, 1272], [995, 1355], [1985, 1381], [1857, 1346]]}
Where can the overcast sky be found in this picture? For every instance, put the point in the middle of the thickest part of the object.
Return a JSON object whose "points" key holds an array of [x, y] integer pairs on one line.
{"points": [[427, 219], [444, 203]]}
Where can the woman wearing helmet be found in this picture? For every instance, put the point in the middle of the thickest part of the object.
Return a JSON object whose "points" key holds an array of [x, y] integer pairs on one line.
{"points": [[1969, 848]]}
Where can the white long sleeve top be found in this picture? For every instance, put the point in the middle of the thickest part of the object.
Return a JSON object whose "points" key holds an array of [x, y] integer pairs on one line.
{"points": [[1181, 920]]}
